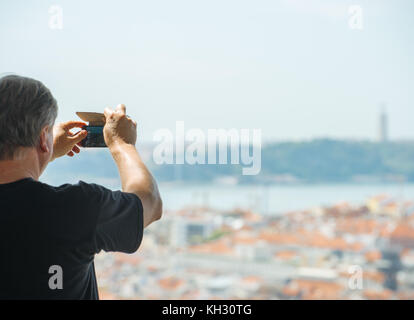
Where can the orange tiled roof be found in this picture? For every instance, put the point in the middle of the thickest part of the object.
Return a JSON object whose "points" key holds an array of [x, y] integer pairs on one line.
{"points": [[372, 256], [106, 295], [245, 239], [314, 289], [285, 255], [252, 279], [311, 239], [374, 276], [405, 296], [357, 226], [378, 295], [215, 247], [252, 217], [403, 231], [170, 283], [190, 295], [132, 259]]}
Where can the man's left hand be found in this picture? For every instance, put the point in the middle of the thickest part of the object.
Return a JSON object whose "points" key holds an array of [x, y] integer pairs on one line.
{"points": [[66, 142]]}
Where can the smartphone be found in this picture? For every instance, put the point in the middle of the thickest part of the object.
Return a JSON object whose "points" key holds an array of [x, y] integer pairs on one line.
{"points": [[95, 138]]}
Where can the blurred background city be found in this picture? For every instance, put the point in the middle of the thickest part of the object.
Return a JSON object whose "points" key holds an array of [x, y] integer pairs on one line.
{"points": [[329, 83]]}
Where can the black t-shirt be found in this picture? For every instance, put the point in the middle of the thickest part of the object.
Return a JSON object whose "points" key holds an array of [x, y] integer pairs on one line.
{"points": [[50, 235]]}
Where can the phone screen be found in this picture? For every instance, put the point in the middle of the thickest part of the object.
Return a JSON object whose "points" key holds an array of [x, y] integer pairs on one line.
{"points": [[94, 139]]}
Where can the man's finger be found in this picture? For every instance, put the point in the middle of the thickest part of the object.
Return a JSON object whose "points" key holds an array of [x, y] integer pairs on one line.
{"points": [[121, 108], [78, 137], [70, 154], [75, 149], [108, 112], [73, 124]]}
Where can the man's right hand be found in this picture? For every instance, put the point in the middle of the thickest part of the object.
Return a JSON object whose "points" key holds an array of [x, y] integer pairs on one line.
{"points": [[119, 129]]}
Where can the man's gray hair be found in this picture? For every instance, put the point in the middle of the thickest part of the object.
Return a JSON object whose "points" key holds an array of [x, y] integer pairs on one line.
{"points": [[26, 107]]}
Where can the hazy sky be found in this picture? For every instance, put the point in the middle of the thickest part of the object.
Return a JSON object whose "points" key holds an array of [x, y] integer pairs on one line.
{"points": [[294, 69]]}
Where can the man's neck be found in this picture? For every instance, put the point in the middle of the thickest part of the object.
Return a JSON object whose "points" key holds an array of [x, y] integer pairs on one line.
{"points": [[24, 165]]}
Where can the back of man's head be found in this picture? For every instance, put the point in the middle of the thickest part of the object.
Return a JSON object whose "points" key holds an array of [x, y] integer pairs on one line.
{"points": [[26, 107]]}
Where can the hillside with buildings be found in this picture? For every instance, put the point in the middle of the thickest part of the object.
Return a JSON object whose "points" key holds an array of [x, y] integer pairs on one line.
{"points": [[337, 252]]}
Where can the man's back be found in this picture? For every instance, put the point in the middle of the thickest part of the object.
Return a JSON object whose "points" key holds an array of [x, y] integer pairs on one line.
{"points": [[49, 236]]}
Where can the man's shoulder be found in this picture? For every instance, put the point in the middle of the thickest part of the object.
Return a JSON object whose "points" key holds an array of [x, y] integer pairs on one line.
{"points": [[78, 198], [80, 188], [66, 213]]}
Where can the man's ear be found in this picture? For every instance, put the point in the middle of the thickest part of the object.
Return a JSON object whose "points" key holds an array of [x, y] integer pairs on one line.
{"points": [[45, 140]]}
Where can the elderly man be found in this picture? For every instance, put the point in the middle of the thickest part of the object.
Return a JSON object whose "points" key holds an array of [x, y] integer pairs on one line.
{"points": [[50, 235]]}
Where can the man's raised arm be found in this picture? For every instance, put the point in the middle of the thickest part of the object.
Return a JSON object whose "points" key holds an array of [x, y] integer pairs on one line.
{"points": [[120, 134]]}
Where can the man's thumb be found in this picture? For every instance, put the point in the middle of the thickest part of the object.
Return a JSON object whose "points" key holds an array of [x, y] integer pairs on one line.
{"points": [[79, 136]]}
